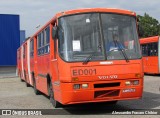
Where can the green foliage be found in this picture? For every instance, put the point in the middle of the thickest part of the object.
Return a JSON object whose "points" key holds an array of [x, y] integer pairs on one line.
{"points": [[150, 26]]}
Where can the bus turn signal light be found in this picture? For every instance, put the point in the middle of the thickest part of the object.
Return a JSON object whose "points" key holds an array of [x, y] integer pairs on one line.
{"points": [[137, 75], [128, 83], [75, 79]]}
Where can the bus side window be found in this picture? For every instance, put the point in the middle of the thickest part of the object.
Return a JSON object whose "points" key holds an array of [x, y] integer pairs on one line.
{"points": [[42, 42], [24, 51], [151, 49], [155, 49], [148, 49], [144, 50], [32, 48], [47, 37], [39, 44]]}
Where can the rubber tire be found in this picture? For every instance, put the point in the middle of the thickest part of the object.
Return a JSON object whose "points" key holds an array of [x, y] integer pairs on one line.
{"points": [[27, 85], [21, 80], [55, 103], [35, 89]]}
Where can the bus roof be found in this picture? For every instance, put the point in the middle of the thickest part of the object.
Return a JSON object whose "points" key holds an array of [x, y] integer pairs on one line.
{"points": [[88, 10], [149, 39]]}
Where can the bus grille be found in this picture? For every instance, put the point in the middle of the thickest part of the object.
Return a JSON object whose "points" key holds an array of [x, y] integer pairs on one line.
{"points": [[106, 93], [103, 85]]}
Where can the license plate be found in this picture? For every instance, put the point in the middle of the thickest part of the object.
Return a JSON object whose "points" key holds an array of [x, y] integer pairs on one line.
{"points": [[129, 90]]}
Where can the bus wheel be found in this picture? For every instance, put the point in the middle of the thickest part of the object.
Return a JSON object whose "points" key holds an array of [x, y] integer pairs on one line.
{"points": [[27, 85], [21, 80], [34, 87], [20, 76], [55, 103]]}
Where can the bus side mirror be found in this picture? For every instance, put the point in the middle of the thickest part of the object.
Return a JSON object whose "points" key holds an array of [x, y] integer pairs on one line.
{"points": [[54, 32]]}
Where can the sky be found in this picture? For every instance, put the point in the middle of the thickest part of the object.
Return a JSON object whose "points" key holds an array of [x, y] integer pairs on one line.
{"points": [[38, 12]]}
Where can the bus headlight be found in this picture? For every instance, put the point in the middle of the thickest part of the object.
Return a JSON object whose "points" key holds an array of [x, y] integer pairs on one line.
{"points": [[84, 85], [128, 83]]}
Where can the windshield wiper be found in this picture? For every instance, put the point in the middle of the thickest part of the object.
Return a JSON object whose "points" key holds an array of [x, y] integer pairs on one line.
{"points": [[88, 59], [122, 50]]}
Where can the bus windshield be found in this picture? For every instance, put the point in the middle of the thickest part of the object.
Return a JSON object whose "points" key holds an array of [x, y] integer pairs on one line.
{"points": [[104, 36]]}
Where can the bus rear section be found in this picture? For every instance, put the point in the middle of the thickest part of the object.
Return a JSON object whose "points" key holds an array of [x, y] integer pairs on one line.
{"points": [[151, 54]]}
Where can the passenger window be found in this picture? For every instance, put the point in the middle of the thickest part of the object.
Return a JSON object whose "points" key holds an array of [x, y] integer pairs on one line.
{"points": [[39, 44], [43, 41], [47, 32], [42, 38], [32, 48], [155, 49], [47, 38], [24, 48], [144, 50], [150, 49]]}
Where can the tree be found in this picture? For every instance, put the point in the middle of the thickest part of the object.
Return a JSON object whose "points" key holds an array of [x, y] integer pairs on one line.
{"points": [[150, 26]]}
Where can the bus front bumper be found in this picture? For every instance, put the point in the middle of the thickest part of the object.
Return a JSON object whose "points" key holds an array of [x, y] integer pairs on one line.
{"points": [[98, 92]]}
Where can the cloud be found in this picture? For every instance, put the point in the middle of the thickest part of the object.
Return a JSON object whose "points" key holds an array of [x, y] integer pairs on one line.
{"points": [[37, 12]]}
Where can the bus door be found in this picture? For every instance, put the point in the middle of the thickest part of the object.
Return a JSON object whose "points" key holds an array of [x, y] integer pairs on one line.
{"points": [[25, 62], [53, 56], [41, 78]]}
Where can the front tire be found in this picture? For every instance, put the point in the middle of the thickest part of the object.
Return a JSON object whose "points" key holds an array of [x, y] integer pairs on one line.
{"points": [[55, 103]]}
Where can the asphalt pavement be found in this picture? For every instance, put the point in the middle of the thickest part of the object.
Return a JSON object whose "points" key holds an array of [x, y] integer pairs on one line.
{"points": [[15, 95]]}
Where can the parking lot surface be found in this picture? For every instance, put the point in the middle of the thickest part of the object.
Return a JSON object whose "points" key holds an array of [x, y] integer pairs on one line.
{"points": [[15, 95]]}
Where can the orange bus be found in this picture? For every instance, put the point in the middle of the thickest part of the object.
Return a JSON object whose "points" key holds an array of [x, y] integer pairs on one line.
{"points": [[150, 51], [84, 55]]}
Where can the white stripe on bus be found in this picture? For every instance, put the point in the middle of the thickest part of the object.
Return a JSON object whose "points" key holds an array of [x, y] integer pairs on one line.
{"points": [[28, 61], [22, 69]]}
